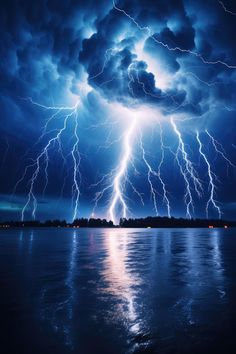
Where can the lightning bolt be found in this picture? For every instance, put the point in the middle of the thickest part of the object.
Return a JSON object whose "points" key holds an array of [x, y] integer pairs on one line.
{"points": [[188, 171], [151, 172], [108, 53], [174, 49], [43, 156], [225, 9], [118, 178], [209, 84], [212, 177], [159, 173], [76, 162], [220, 150], [120, 175]]}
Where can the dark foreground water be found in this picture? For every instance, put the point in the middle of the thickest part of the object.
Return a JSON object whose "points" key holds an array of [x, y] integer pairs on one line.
{"points": [[118, 291]]}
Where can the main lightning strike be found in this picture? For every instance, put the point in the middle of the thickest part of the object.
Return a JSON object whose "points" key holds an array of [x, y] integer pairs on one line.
{"points": [[108, 179], [117, 179], [120, 176]]}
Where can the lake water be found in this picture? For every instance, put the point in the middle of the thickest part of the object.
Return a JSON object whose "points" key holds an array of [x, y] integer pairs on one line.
{"points": [[118, 291]]}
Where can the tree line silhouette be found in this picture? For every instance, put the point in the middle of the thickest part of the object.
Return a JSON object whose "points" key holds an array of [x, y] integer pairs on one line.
{"points": [[148, 222]]}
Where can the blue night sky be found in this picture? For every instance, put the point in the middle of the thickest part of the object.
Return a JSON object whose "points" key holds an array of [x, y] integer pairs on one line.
{"points": [[117, 109]]}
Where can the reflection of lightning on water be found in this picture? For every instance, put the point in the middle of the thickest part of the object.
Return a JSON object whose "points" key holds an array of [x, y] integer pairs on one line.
{"points": [[65, 301]]}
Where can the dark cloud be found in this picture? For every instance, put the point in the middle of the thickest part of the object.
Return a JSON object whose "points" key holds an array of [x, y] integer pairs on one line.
{"points": [[41, 43], [108, 71]]}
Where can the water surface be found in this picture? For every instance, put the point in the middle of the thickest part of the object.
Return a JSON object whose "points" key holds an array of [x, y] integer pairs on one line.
{"points": [[118, 291]]}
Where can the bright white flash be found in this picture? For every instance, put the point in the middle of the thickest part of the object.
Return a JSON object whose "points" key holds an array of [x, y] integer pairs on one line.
{"points": [[120, 177]]}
